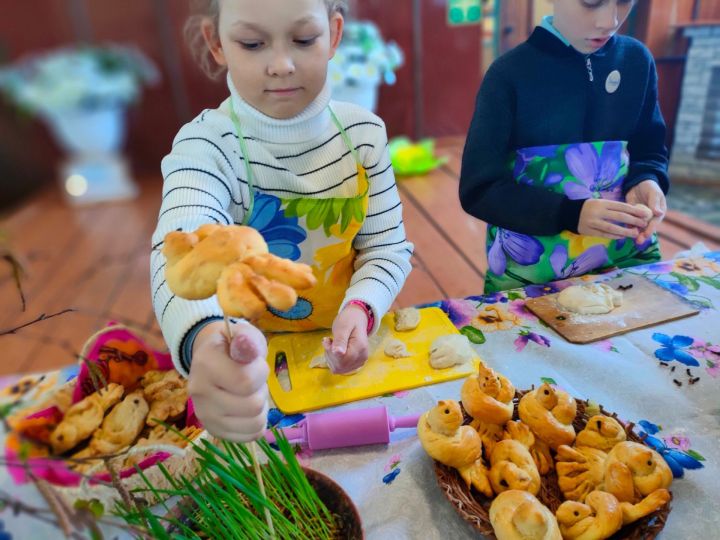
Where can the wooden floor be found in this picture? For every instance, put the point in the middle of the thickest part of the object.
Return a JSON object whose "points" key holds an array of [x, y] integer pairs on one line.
{"points": [[95, 260]]}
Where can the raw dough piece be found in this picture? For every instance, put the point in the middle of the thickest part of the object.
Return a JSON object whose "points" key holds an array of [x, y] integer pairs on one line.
{"points": [[648, 213], [407, 319], [320, 361], [448, 351], [395, 348], [592, 299]]}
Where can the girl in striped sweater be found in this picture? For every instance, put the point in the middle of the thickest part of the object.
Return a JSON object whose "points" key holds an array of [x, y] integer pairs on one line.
{"points": [[313, 176]]}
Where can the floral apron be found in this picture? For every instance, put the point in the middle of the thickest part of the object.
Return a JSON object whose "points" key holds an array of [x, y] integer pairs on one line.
{"points": [[316, 231], [578, 171]]}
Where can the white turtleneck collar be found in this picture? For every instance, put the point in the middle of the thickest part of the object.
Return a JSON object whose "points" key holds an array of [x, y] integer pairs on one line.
{"points": [[306, 126]]}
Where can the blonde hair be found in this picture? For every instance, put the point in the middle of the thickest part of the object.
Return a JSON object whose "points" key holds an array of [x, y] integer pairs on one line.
{"points": [[202, 10]]}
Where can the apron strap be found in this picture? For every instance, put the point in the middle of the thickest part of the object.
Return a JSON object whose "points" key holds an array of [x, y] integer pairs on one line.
{"points": [[344, 135], [248, 169], [356, 157]]}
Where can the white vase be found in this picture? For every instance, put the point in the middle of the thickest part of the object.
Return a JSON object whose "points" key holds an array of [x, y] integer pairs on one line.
{"points": [[94, 170], [365, 95]]}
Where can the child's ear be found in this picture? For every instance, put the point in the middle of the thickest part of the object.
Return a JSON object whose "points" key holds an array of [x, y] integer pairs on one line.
{"points": [[337, 23], [212, 40]]}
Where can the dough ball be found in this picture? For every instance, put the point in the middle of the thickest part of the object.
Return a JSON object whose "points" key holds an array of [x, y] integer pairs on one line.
{"points": [[648, 213], [395, 348], [407, 319], [448, 351], [593, 299]]}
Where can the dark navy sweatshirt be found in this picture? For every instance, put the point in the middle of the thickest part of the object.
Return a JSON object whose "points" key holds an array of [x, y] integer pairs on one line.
{"points": [[544, 92]]}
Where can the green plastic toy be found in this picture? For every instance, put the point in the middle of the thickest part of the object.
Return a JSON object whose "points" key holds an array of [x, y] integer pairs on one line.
{"points": [[412, 159]]}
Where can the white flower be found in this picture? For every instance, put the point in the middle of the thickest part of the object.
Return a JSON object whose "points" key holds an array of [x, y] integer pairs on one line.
{"points": [[78, 78], [363, 57]]}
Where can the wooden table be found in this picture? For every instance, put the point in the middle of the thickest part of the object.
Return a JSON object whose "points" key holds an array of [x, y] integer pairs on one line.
{"points": [[96, 259]]}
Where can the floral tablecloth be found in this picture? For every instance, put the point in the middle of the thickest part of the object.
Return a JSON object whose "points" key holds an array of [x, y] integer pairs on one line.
{"points": [[665, 379]]}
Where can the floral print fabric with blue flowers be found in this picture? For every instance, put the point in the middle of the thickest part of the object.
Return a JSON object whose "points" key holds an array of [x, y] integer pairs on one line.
{"points": [[675, 449]]}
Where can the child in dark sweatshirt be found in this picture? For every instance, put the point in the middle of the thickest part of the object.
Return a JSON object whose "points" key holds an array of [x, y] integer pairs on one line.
{"points": [[565, 147]]}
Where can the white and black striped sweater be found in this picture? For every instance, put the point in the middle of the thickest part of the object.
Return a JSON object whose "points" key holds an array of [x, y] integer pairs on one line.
{"points": [[205, 181]]}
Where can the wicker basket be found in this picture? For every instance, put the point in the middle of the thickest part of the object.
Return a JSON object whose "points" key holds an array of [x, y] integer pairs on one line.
{"points": [[474, 507], [183, 463]]}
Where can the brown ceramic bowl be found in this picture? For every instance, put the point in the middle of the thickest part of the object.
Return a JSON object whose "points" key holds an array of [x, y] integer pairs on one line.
{"points": [[336, 500]]}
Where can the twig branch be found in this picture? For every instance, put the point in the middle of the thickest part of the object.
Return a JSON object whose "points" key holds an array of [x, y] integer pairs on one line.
{"points": [[42, 514], [42, 317], [17, 274], [56, 503]]}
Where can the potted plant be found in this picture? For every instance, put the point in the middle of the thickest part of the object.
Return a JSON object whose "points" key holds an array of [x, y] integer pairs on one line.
{"points": [[82, 93], [361, 63], [224, 499]]}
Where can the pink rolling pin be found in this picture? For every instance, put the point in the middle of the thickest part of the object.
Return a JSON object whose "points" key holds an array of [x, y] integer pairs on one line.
{"points": [[339, 429]]}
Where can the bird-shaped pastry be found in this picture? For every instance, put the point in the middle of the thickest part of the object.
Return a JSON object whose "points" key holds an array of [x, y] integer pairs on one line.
{"points": [[633, 471], [166, 393], [232, 261], [602, 515], [580, 470], [196, 260], [599, 517], [518, 515], [446, 440], [119, 429], [601, 432], [511, 465], [488, 399], [550, 413], [630, 472], [488, 396], [84, 417], [656, 500]]}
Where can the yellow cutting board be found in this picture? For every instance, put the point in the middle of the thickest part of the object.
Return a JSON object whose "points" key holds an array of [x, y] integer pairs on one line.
{"points": [[315, 388]]}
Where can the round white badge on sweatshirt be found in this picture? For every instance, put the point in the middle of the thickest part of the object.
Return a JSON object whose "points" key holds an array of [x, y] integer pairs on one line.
{"points": [[612, 83]]}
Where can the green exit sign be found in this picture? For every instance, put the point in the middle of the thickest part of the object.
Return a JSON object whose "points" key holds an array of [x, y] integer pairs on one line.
{"points": [[464, 12]]}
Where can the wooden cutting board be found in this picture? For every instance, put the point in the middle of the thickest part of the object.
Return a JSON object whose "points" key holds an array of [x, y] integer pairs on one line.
{"points": [[644, 304], [313, 388]]}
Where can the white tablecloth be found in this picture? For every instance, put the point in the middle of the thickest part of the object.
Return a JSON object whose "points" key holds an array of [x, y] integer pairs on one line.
{"points": [[643, 376]]}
